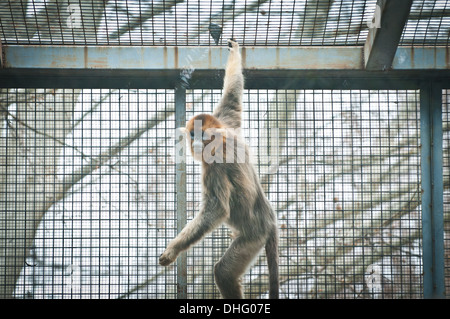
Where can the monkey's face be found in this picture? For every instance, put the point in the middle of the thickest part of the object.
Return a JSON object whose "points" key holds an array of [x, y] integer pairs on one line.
{"points": [[199, 140], [204, 135]]}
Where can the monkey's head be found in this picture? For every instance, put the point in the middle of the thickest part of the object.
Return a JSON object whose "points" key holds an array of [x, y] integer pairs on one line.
{"points": [[202, 130]]}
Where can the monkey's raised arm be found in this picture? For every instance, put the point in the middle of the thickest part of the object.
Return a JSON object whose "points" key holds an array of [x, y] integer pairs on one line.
{"points": [[230, 107]]}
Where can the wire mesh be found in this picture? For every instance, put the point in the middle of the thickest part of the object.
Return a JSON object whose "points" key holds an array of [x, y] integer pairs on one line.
{"points": [[98, 166], [428, 24], [181, 23], [346, 190], [97, 163]]}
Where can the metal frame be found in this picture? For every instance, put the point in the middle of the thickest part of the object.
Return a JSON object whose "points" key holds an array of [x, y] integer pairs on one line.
{"points": [[180, 120], [214, 58], [1, 54], [430, 85], [275, 68], [432, 190]]}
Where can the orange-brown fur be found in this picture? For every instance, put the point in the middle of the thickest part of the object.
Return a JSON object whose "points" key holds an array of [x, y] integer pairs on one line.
{"points": [[209, 123], [231, 193]]}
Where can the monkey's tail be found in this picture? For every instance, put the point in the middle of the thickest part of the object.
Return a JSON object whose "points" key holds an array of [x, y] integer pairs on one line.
{"points": [[272, 263]]}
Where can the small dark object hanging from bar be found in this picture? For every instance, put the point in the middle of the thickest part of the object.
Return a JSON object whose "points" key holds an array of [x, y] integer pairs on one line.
{"points": [[215, 31]]}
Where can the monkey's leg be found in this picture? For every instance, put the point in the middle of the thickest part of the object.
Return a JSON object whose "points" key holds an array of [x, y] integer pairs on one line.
{"points": [[233, 264]]}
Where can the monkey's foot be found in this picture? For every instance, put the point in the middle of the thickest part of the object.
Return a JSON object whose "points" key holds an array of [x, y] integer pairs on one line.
{"points": [[167, 257], [233, 45]]}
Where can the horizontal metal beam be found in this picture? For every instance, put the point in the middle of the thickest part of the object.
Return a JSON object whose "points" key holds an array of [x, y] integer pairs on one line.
{"points": [[121, 57], [422, 58], [213, 58], [213, 79]]}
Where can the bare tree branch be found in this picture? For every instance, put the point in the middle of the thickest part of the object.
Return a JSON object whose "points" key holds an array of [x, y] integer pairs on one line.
{"points": [[105, 156]]}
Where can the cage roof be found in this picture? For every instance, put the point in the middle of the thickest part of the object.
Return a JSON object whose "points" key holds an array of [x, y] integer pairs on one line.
{"points": [[210, 23]]}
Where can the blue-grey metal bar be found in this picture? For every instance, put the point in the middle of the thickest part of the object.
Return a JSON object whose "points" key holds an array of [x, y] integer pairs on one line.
{"points": [[214, 58], [180, 119], [127, 57], [438, 193], [424, 58], [432, 191], [1, 54]]}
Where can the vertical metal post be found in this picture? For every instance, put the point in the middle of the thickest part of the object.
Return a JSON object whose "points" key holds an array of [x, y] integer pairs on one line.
{"points": [[180, 119], [432, 191], [1, 54]]}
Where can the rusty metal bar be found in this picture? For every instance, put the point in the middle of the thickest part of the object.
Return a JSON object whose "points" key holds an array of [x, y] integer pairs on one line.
{"points": [[385, 33], [421, 58], [167, 58], [254, 58]]}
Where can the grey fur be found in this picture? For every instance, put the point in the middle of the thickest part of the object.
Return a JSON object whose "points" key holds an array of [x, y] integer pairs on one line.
{"points": [[232, 194]]}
